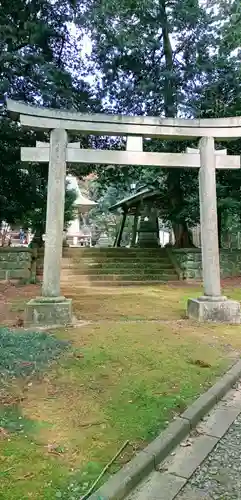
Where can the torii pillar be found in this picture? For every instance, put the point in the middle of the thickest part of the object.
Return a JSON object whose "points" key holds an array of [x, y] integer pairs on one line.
{"points": [[52, 308], [212, 306]]}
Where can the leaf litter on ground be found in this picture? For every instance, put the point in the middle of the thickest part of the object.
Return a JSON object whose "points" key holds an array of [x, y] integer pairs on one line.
{"points": [[25, 353]]}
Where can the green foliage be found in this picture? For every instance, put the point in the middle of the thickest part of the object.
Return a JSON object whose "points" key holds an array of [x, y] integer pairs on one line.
{"points": [[16, 186], [36, 49], [39, 64], [169, 58], [100, 219], [36, 216], [162, 58]]}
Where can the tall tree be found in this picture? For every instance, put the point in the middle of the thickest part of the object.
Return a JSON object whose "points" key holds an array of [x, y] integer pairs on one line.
{"points": [[220, 96], [152, 56], [38, 65]]}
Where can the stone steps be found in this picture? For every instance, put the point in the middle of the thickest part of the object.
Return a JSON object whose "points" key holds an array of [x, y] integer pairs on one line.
{"points": [[117, 270], [112, 250], [111, 284], [110, 260], [78, 255], [119, 277], [116, 267]]}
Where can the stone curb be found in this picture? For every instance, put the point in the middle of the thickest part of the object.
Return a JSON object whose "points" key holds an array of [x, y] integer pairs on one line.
{"points": [[121, 483]]}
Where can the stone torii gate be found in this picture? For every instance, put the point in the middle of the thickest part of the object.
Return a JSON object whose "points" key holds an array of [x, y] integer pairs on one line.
{"points": [[52, 308]]}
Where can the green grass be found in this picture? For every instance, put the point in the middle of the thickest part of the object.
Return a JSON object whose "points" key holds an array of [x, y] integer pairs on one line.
{"points": [[119, 379]]}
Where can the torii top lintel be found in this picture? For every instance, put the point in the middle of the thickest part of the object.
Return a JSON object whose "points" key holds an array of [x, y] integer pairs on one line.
{"points": [[123, 125]]}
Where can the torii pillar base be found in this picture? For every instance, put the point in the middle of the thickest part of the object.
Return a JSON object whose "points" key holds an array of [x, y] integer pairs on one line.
{"points": [[50, 312], [214, 309]]}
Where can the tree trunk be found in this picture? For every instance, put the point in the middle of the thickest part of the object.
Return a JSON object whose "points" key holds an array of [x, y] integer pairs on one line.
{"points": [[170, 104], [183, 237]]}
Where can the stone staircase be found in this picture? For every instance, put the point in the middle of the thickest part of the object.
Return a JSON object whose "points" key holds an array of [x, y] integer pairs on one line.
{"points": [[116, 267]]}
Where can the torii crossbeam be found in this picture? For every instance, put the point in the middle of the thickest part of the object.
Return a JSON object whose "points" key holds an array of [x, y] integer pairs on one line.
{"points": [[212, 306]]}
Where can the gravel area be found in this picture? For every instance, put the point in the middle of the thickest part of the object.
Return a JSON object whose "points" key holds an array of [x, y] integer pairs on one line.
{"points": [[219, 477]]}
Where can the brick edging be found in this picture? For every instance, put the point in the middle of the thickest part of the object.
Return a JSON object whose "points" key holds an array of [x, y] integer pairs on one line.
{"points": [[127, 478]]}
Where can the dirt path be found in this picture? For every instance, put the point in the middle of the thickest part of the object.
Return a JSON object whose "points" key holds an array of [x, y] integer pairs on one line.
{"points": [[12, 302], [13, 297]]}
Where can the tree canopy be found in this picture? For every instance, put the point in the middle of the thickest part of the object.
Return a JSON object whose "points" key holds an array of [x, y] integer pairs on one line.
{"points": [[39, 64], [171, 58], [146, 57]]}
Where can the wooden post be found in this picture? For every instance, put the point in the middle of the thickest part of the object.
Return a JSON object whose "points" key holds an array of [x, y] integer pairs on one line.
{"points": [[119, 237], [135, 225]]}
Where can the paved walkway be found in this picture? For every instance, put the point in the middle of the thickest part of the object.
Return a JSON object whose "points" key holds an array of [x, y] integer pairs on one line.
{"points": [[219, 476], [207, 465]]}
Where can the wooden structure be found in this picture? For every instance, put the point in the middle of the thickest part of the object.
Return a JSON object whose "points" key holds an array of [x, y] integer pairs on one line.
{"points": [[143, 206]]}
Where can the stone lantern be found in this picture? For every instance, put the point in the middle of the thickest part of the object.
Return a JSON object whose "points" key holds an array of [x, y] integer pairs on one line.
{"points": [[78, 233]]}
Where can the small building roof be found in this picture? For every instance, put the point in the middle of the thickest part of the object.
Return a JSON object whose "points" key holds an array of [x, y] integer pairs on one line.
{"points": [[130, 202]]}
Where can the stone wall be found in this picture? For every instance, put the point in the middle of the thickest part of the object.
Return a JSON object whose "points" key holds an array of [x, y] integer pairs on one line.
{"points": [[15, 263], [190, 262], [230, 263], [40, 262]]}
